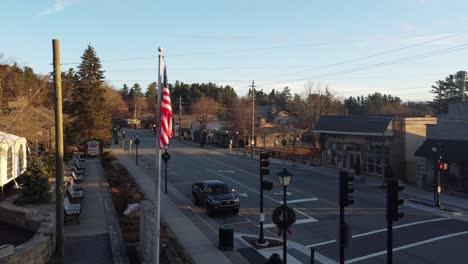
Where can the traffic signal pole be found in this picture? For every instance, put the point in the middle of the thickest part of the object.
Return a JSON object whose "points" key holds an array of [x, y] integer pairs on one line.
{"points": [[393, 214], [261, 238], [264, 170], [438, 189], [342, 234], [345, 199], [389, 242], [389, 222]]}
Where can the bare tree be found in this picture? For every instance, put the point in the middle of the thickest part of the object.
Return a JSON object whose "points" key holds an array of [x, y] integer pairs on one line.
{"points": [[204, 108], [118, 107]]}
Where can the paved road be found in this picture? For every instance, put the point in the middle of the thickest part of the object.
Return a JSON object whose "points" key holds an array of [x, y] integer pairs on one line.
{"points": [[418, 238]]}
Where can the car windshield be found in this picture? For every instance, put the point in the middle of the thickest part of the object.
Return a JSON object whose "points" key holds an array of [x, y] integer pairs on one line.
{"points": [[219, 189]]}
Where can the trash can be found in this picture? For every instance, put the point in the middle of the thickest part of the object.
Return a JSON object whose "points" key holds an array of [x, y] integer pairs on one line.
{"points": [[226, 237]]}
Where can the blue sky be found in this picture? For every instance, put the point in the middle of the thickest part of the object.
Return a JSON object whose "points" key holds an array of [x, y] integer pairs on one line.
{"points": [[276, 43]]}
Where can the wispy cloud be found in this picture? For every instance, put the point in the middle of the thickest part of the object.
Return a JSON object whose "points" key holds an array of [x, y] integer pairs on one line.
{"points": [[58, 6]]}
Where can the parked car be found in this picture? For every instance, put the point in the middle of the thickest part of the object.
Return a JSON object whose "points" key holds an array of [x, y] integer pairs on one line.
{"points": [[216, 196]]}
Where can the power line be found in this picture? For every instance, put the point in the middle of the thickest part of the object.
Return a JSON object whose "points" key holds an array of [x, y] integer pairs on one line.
{"points": [[281, 47]]}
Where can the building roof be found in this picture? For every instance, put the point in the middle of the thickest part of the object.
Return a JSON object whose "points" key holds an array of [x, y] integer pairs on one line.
{"points": [[353, 125], [6, 138], [454, 150]]}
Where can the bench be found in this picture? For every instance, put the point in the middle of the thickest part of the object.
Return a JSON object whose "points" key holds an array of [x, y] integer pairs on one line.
{"points": [[83, 161], [76, 177], [72, 210], [78, 171], [75, 196], [79, 165]]}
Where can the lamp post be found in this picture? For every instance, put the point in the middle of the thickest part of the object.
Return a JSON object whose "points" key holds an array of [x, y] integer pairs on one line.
{"points": [[165, 157], [227, 139], [284, 178], [137, 142], [284, 142], [294, 151], [237, 141], [437, 151]]}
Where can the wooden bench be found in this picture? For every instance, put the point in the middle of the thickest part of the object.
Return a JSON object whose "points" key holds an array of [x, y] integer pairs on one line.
{"points": [[83, 161], [75, 196], [76, 177], [78, 171], [72, 210], [79, 165]]}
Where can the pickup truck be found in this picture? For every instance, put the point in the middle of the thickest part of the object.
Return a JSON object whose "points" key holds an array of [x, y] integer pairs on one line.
{"points": [[216, 196]]}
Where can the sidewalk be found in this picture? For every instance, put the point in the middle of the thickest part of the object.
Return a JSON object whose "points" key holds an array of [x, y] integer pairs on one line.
{"points": [[449, 201], [195, 243], [88, 241]]}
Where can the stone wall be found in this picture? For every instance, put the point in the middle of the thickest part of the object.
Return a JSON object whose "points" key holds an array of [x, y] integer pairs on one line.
{"points": [[40, 248], [146, 231]]}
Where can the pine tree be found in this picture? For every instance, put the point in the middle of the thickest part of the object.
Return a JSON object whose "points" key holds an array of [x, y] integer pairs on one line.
{"points": [[152, 97], [91, 114], [447, 91], [35, 182]]}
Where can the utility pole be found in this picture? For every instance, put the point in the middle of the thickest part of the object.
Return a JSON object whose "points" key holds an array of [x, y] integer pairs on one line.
{"points": [[59, 251], [252, 141], [180, 116]]}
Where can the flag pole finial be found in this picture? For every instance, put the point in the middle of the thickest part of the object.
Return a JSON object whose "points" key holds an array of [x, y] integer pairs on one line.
{"points": [[160, 49]]}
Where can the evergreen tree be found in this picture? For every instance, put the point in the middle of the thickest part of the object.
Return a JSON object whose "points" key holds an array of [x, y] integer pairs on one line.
{"points": [[124, 91], [448, 91], [35, 182], [152, 97], [90, 112], [137, 89]]}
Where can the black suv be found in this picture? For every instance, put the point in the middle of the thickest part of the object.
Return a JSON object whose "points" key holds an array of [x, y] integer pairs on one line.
{"points": [[216, 196]]}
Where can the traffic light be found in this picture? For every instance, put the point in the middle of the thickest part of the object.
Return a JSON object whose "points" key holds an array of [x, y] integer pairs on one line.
{"points": [[264, 163], [393, 201], [346, 189]]}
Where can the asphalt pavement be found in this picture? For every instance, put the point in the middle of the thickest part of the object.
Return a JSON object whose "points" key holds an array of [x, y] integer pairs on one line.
{"points": [[313, 194]]}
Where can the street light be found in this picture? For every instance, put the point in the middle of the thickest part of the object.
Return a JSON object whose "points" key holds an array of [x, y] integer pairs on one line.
{"points": [[227, 138], [437, 153], [137, 142], [284, 178]]}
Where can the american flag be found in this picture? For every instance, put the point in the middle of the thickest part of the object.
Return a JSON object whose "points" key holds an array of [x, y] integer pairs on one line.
{"points": [[166, 113]]}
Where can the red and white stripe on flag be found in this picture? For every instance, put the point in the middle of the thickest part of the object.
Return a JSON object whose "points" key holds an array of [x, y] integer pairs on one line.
{"points": [[166, 114]]}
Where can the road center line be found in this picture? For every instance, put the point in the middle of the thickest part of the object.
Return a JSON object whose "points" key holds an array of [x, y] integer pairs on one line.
{"points": [[255, 191], [382, 230], [407, 246], [299, 200]]}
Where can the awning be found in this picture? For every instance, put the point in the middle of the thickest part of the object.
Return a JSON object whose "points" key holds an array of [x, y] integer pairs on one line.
{"points": [[454, 150]]}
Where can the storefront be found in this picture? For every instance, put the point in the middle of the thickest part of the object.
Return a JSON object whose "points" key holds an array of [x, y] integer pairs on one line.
{"points": [[362, 143]]}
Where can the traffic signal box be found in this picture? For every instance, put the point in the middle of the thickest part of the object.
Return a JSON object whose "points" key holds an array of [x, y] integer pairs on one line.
{"points": [[265, 170], [442, 166], [346, 189], [393, 201], [264, 163]]}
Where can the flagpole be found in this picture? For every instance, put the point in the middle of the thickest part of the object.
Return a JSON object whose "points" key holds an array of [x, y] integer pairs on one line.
{"points": [[157, 203]]}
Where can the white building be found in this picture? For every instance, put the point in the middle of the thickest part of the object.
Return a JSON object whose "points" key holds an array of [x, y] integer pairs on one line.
{"points": [[12, 158]]}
